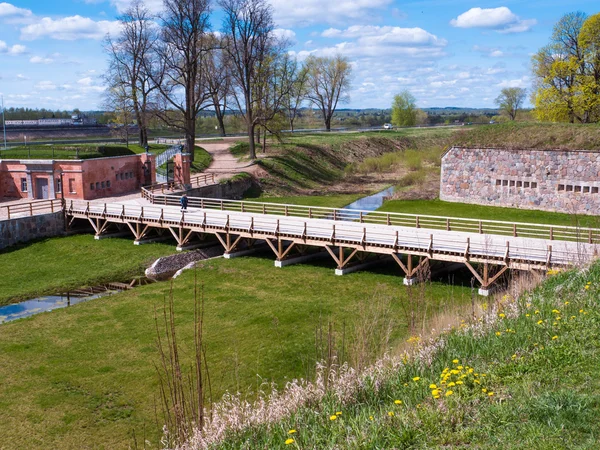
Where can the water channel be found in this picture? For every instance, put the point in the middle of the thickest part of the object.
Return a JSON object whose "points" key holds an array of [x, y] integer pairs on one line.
{"points": [[50, 302]]}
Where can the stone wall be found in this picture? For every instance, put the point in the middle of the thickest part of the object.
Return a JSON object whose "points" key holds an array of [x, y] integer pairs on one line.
{"points": [[23, 229], [232, 190], [552, 180]]}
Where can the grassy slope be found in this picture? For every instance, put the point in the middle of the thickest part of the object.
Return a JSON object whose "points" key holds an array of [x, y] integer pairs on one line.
{"points": [[86, 151], [450, 209], [531, 135], [51, 265], [202, 160], [329, 201], [539, 370], [84, 377]]}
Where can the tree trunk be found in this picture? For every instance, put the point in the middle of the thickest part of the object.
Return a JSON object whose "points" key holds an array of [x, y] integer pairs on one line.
{"points": [[264, 145], [221, 124], [292, 125], [190, 137], [328, 124], [251, 142], [258, 136]]}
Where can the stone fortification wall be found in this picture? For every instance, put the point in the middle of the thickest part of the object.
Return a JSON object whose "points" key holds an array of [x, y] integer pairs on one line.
{"points": [[552, 180], [23, 229]]}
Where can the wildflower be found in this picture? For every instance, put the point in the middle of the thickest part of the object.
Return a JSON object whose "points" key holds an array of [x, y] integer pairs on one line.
{"points": [[477, 381], [449, 393], [498, 333], [514, 356], [587, 286], [540, 322], [554, 338], [460, 367], [581, 310], [459, 382], [291, 431], [555, 311], [436, 396], [289, 441], [483, 375], [572, 317], [416, 378], [566, 303], [526, 315], [537, 311], [484, 390], [455, 361], [432, 386], [451, 384], [405, 384], [471, 370], [490, 394], [391, 413], [398, 402], [339, 413], [371, 418], [435, 392], [454, 372], [502, 315], [334, 417]]}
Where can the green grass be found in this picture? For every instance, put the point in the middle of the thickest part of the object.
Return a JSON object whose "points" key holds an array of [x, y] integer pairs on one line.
{"points": [[202, 160], [52, 265], [84, 376], [76, 151], [328, 201], [466, 210], [534, 385]]}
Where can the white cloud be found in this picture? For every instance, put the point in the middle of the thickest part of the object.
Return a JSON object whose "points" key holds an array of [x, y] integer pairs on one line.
{"points": [[12, 50], [12, 14], [285, 34], [310, 12], [40, 60], [500, 19], [69, 29], [154, 6], [46, 86], [523, 82], [87, 81]]}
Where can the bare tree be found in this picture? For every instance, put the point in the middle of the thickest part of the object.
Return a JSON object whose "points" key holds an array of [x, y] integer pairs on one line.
{"points": [[130, 53], [298, 89], [329, 82], [181, 52], [248, 27], [118, 100], [217, 75]]}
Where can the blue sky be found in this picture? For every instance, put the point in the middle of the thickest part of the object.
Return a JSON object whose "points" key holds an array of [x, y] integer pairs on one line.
{"points": [[447, 53]]}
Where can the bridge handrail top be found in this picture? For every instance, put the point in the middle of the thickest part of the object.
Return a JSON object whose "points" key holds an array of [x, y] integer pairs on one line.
{"points": [[394, 214]]}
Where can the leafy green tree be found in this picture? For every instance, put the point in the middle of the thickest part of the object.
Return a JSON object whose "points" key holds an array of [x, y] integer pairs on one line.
{"points": [[404, 110], [510, 100]]}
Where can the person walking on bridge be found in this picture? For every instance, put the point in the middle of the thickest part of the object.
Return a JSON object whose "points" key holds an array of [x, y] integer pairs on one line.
{"points": [[184, 202]]}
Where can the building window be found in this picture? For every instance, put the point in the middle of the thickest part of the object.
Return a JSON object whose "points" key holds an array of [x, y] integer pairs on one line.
{"points": [[533, 185], [121, 176], [72, 185], [561, 187], [58, 185], [586, 189], [97, 185], [108, 184], [526, 184], [130, 174], [103, 185], [92, 186], [577, 188], [117, 177], [23, 184]]}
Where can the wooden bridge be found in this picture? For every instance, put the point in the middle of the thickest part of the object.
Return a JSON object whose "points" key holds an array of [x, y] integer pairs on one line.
{"points": [[297, 233]]}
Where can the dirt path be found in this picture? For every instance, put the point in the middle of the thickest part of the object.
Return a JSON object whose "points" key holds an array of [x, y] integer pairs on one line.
{"points": [[224, 164]]}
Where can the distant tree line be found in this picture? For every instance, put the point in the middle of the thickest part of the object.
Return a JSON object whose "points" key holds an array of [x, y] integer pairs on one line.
{"points": [[173, 66]]}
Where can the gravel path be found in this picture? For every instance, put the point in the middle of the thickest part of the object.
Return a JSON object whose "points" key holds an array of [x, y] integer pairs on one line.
{"points": [[224, 164]]}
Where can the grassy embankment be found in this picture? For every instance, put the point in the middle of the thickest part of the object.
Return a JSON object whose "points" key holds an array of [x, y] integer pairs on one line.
{"points": [[76, 151], [58, 264], [84, 376], [202, 160], [523, 377]]}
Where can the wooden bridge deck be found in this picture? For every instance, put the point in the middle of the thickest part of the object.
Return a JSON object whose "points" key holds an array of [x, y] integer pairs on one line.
{"points": [[342, 239]]}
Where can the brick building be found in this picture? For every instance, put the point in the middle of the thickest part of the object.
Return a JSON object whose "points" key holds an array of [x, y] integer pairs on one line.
{"points": [[85, 179], [553, 180]]}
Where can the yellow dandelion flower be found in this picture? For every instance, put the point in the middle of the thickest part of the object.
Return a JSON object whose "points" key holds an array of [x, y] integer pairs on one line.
{"points": [[572, 317], [490, 394], [540, 322], [477, 381], [483, 375], [454, 372], [334, 417], [514, 356], [455, 361], [459, 382], [291, 431], [537, 311], [451, 384], [587, 286], [435, 392], [498, 333], [339, 413], [554, 338], [526, 315], [371, 418], [460, 367], [436, 396], [398, 402], [416, 378], [289, 441], [391, 413], [581, 310], [555, 311], [432, 386], [405, 384], [566, 303], [502, 315], [449, 393], [471, 370]]}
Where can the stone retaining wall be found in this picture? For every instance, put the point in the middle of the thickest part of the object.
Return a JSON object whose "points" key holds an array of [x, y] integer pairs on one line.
{"points": [[552, 180], [232, 190], [22, 229]]}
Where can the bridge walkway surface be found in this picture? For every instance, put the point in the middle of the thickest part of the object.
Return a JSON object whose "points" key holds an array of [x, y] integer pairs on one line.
{"points": [[291, 231]]}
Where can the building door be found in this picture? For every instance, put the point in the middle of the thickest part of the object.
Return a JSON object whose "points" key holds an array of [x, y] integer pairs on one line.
{"points": [[41, 188]]}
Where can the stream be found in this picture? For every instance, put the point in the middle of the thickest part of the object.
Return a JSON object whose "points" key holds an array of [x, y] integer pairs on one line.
{"points": [[369, 203]]}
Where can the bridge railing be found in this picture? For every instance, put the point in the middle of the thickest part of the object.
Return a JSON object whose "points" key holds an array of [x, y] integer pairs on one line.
{"points": [[515, 229], [465, 246], [31, 208], [151, 192]]}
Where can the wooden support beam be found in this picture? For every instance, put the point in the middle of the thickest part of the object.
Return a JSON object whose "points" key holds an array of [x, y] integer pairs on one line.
{"points": [[287, 250], [347, 260], [421, 264], [495, 277], [268, 241], [335, 258], [474, 272], [400, 263]]}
